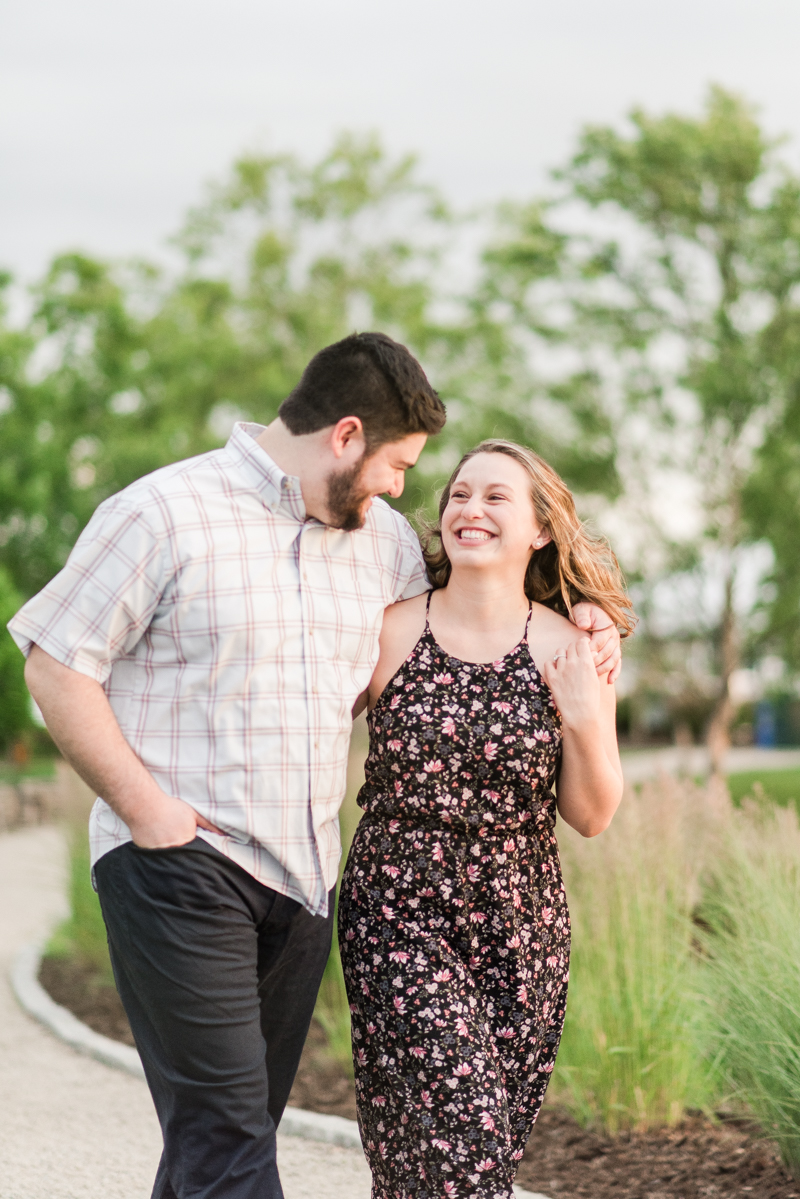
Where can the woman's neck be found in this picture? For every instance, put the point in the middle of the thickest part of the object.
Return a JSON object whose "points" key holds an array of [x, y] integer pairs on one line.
{"points": [[476, 618], [485, 597]]}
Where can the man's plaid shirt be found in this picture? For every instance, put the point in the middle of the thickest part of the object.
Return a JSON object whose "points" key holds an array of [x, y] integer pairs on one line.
{"points": [[232, 637]]}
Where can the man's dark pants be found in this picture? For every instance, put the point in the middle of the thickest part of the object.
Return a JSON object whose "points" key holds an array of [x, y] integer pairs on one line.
{"points": [[218, 975]]}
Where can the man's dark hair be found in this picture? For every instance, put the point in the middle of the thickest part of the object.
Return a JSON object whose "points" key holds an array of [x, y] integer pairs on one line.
{"points": [[369, 376]]}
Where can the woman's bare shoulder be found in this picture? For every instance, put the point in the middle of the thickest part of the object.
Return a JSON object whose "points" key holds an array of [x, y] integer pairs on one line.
{"points": [[403, 624], [404, 615], [549, 631]]}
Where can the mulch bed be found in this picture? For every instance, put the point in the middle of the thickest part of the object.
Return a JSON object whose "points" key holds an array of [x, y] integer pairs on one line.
{"points": [[79, 987], [699, 1159], [696, 1160]]}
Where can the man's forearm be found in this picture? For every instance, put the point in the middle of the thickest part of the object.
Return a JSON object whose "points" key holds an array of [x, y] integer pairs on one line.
{"points": [[604, 638], [80, 721], [83, 726]]}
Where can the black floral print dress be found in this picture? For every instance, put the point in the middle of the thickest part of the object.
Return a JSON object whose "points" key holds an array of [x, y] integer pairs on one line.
{"points": [[453, 924]]}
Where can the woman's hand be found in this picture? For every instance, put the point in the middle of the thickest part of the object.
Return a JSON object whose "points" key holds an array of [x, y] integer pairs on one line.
{"points": [[590, 778], [572, 678]]}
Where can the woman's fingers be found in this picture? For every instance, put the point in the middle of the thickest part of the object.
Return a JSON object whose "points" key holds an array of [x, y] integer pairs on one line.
{"points": [[569, 658]]}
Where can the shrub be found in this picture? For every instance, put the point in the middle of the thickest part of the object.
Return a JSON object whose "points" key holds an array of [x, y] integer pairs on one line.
{"points": [[15, 710]]}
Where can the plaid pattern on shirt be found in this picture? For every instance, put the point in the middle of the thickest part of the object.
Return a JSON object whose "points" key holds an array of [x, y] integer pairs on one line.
{"points": [[232, 637]]}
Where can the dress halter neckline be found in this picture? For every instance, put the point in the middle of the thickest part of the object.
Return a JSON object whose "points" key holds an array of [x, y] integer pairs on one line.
{"points": [[522, 641]]}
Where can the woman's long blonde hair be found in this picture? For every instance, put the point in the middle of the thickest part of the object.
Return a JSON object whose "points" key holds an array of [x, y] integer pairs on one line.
{"points": [[575, 565]]}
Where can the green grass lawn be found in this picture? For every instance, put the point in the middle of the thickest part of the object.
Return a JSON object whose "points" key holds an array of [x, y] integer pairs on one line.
{"points": [[781, 786]]}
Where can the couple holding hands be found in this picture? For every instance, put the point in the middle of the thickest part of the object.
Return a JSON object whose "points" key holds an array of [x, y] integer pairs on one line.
{"points": [[199, 661]]}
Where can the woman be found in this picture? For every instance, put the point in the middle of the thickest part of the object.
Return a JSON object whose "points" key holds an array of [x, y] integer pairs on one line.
{"points": [[453, 923]]}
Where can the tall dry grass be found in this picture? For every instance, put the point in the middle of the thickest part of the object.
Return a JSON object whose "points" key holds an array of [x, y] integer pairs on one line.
{"points": [[633, 1052]]}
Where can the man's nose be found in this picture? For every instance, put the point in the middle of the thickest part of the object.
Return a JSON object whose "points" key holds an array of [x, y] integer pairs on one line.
{"points": [[396, 488]]}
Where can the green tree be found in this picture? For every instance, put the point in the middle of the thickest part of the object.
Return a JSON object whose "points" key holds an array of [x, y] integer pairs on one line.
{"points": [[124, 368], [545, 395], [679, 311]]}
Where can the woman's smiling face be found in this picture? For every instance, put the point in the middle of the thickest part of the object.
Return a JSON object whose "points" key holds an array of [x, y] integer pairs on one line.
{"points": [[490, 519]]}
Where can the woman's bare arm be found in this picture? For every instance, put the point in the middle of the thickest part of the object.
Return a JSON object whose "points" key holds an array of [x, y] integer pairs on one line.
{"points": [[590, 780], [403, 625]]}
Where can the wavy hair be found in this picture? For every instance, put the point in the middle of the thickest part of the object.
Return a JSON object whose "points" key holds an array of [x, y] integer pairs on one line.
{"points": [[575, 565]]}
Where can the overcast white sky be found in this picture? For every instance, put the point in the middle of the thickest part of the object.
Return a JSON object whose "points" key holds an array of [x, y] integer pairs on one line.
{"points": [[114, 113]]}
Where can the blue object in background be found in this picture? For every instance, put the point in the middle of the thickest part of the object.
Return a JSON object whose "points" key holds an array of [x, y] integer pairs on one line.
{"points": [[766, 728]]}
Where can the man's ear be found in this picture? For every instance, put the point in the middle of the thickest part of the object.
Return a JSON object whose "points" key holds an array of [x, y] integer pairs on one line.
{"points": [[347, 436]]}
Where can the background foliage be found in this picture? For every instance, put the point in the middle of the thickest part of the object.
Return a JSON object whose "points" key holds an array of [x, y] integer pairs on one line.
{"points": [[639, 327]]}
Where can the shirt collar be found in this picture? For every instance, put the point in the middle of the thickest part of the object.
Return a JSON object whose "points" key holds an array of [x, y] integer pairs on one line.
{"points": [[279, 491]]}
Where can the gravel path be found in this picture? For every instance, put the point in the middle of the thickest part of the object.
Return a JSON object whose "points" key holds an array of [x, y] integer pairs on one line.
{"points": [[71, 1128]]}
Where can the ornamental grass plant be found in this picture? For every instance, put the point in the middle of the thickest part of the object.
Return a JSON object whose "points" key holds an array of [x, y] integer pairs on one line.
{"points": [[332, 1010], [633, 1052], [82, 936], [751, 975]]}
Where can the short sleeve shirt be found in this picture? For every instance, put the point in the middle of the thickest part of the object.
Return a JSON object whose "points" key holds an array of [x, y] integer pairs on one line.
{"points": [[232, 636]]}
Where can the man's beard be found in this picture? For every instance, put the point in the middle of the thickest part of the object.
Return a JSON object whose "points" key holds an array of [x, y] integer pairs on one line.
{"points": [[345, 499]]}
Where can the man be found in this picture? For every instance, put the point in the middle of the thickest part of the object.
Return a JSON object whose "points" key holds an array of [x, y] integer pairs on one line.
{"points": [[197, 661]]}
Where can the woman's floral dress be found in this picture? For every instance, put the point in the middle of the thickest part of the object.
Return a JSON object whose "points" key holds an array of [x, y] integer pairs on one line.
{"points": [[453, 924]]}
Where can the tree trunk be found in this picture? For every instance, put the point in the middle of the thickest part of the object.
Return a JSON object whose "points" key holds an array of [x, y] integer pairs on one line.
{"points": [[718, 737]]}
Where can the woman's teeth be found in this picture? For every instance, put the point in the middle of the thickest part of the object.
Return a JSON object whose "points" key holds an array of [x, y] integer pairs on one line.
{"points": [[473, 535]]}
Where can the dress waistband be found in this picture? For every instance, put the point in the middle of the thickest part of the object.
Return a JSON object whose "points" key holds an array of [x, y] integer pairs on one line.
{"points": [[537, 824]]}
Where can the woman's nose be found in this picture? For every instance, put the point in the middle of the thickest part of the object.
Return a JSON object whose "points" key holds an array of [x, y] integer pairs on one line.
{"points": [[473, 509]]}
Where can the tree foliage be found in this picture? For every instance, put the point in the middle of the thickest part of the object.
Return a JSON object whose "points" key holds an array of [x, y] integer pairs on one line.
{"points": [[15, 711], [124, 368], [640, 329], [679, 305]]}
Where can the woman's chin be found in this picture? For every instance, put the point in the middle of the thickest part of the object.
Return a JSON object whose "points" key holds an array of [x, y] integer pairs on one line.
{"points": [[475, 559], [469, 549]]}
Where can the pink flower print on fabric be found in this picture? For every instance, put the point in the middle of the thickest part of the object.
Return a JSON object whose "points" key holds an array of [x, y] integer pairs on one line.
{"points": [[453, 923]]}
